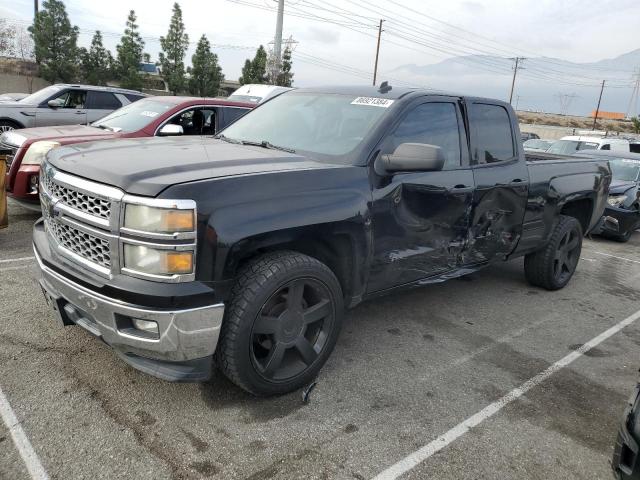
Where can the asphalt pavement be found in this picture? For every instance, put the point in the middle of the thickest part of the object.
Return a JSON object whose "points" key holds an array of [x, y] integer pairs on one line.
{"points": [[408, 369]]}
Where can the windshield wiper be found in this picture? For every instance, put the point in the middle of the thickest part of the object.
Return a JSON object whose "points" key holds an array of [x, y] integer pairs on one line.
{"points": [[269, 145], [220, 136]]}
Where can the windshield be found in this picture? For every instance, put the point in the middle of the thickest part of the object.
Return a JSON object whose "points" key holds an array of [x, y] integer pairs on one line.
{"points": [[244, 98], [41, 95], [563, 147], [134, 116], [625, 170], [328, 125], [538, 144]]}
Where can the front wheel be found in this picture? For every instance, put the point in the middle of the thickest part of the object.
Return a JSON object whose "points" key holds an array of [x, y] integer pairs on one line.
{"points": [[281, 323], [7, 125], [554, 265]]}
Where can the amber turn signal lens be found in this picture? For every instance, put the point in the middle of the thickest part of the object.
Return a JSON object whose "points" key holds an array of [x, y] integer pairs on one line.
{"points": [[179, 262], [178, 221]]}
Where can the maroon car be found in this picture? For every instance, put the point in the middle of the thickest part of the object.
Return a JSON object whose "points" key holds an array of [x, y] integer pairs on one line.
{"points": [[153, 116]]}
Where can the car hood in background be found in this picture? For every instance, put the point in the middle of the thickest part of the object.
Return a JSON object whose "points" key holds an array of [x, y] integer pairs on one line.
{"points": [[618, 187], [66, 131], [146, 166]]}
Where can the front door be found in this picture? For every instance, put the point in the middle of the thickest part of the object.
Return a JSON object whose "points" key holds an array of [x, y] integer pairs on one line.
{"points": [[70, 109], [502, 182], [420, 219]]}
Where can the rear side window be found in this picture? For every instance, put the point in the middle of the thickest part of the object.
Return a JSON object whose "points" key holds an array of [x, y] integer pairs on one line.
{"points": [[589, 146], [103, 101], [133, 97], [493, 135], [433, 124]]}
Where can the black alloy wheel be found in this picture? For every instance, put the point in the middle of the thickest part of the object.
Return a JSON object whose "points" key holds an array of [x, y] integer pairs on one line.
{"points": [[567, 255], [292, 329]]}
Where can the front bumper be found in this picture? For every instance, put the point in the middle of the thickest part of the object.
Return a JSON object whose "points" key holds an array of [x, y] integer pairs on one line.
{"points": [[626, 458], [182, 350], [617, 221], [25, 185]]}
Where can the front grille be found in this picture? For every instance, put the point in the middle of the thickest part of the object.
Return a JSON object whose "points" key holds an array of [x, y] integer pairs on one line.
{"points": [[9, 152], [84, 244], [78, 200]]}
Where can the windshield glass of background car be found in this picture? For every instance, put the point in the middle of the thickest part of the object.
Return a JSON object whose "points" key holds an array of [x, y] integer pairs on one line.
{"points": [[326, 124], [134, 116], [40, 96], [563, 147], [626, 170]]}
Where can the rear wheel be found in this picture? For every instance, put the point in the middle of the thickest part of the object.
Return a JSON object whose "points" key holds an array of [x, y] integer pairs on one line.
{"points": [[553, 266], [6, 125], [281, 324]]}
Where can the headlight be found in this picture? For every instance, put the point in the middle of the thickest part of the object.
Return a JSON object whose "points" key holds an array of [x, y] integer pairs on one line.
{"points": [[154, 261], [36, 152], [159, 220], [616, 200]]}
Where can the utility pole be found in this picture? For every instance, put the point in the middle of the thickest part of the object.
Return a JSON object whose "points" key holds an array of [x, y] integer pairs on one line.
{"points": [[277, 42], [375, 66], [633, 101], [595, 119], [515, 70], [35, 8]]}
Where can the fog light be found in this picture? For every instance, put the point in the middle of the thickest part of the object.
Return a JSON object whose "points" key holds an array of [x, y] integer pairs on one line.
{"points": [[33, 183], [148, 326]]}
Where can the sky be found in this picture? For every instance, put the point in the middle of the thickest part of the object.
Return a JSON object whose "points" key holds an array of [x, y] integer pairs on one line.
{"points": [[344, 32]]}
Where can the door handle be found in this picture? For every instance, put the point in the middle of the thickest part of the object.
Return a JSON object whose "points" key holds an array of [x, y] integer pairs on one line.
{"points": [[460, 188], [515, 182], [79, 113]]}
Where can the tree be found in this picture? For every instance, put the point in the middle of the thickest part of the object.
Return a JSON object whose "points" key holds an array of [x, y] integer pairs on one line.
{"points": [[635, 121], [285, 77], [25, 52], [130, 55], [255, 71], [206, 73], [7, 39], [55, 42], [174, 47], [96, 62]]}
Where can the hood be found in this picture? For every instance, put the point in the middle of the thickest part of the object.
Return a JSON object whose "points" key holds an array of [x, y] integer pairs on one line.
{"points": [[66, 131], [618, 187], [15, 104], [146, 166]]}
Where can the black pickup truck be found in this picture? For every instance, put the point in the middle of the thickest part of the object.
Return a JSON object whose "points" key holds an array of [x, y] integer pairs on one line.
{"points": [[243, 250]]}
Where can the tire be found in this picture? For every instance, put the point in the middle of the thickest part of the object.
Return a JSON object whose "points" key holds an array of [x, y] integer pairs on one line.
{"points": [[624, 237], [554, 265], [281, 323], [6, 125]]}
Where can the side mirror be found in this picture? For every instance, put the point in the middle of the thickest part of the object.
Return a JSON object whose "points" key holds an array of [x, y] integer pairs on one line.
{"points": [[171, 130], [55, 103], [411, 157]]}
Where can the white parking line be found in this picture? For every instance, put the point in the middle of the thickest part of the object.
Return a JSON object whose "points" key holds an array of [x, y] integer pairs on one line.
{"points": [[28, 454], [419, 456], [17, 267], [17, 259], [614, 256]]}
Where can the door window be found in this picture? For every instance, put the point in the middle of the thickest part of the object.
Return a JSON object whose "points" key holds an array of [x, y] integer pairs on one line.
{"points": [[493, 135], [103, 101], [433, 124], [72, 99], [197, 121]]}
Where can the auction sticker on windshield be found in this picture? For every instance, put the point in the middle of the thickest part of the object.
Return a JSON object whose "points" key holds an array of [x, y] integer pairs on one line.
{"points": [[373, 101], [148, 113]]}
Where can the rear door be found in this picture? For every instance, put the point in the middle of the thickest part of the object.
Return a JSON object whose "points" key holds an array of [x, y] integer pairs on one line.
{"points": [[71, 109], [501, 179], [100, 104], [421, 219]]}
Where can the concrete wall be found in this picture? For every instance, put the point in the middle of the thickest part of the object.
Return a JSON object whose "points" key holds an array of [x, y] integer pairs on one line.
{"points": [[12, 83], [548, 132]]}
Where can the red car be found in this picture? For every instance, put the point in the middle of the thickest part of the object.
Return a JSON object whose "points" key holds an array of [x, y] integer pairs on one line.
{"points": [[153, 116]]}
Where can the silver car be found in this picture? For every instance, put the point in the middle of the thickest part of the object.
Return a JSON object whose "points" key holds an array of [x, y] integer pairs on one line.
{"points": [[63, 104]]}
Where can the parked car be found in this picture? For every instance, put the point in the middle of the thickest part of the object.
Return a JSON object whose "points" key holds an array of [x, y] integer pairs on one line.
{"points": [[151, 116], [63, 104], [588, 142], [626, 458], [622, 215], [12, 97], [528, 136], [256, 93], [248, 246], [537, 145]]}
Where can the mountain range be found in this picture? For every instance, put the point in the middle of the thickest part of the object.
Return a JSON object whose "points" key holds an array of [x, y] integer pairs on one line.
{"points": [[542, 84]]}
